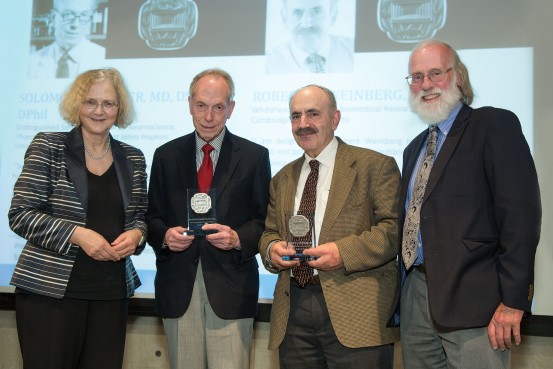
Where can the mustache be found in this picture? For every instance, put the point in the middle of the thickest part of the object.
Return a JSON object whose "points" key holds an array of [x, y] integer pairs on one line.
{"points": [[433, 91], [307, 31], [305, 131]]}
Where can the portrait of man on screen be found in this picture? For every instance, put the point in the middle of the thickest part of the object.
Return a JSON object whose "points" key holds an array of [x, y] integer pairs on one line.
{"points": [[310, 43], [60, 38]]}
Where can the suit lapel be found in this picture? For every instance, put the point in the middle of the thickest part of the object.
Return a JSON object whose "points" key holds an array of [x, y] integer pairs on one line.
{"points": [[449, 145], [186, 162], [287, 196], [341, 185], [124, 169], [409, 165], [76, 165], [226, 164]]}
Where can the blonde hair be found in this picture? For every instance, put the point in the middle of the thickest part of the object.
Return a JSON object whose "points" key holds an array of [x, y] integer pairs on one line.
{"points": [[70, 105]]}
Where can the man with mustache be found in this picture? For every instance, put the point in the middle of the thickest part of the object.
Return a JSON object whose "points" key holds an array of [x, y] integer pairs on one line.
{"points": [[334, 316], [311, 48], [470, 217]]}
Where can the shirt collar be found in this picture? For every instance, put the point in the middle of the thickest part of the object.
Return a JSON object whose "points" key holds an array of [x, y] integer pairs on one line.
{"points": [[326, 157], [445, 125], [301, 55], [74, 52], [217, 142]]}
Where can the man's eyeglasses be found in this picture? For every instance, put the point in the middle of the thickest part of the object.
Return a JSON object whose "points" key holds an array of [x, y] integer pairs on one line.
{"points": [[69, 17], [106, 105], [435, 75]]}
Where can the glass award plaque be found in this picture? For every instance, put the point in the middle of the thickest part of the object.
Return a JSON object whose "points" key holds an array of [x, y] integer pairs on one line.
{"points": [[300, 234], [201, 210]]}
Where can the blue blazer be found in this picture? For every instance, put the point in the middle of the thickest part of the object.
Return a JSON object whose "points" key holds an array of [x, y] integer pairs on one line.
{"points": [[480, 218], [50, 201]]}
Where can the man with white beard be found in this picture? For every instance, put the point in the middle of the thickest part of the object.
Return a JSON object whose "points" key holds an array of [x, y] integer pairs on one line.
{"points": [[470, 218]]}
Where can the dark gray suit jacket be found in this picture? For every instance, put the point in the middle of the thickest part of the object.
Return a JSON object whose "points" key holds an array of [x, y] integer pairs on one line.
{"points": [[241, 183], [480, 218]]}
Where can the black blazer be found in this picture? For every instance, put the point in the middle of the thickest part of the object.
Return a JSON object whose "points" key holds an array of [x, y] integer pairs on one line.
{"points": [[480, 218], [241, 181]]}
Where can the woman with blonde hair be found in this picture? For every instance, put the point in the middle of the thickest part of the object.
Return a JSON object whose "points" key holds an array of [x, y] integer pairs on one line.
{"points": [[79, 202]]}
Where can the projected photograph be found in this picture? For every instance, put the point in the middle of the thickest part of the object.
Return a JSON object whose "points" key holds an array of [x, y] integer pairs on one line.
{"points": [[64, 37], [310, 37]]}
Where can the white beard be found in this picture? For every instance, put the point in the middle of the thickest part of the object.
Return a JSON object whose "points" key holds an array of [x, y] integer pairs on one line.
{"points": [[437, 110]]}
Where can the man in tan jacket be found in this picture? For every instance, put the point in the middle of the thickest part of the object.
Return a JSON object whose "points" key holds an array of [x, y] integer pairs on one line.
{"points": [[337, 316]]}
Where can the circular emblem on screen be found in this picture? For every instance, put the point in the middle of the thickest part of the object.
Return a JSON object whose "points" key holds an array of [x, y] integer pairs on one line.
{"points": [[298, 225], [200, 203]]}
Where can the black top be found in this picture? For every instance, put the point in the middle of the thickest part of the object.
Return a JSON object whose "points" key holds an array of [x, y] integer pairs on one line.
{"points": [[101, 280]]}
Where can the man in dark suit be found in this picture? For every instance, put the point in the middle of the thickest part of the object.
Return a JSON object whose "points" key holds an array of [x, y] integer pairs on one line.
{"points": [[337, 317], [470, 218], [207, 287]]}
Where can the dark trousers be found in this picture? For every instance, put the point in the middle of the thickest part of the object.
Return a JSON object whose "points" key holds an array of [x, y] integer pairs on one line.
{"points": [[69, 333], [310, 341]]}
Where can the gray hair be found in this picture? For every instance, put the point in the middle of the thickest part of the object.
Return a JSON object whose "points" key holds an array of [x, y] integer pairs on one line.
{"points": [[213, 72], [458, 66]]}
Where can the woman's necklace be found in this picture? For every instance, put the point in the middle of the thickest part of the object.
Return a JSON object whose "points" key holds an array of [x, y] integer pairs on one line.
{"points": [[101, 156]]}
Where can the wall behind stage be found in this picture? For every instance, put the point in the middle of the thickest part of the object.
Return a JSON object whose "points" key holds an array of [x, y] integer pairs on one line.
{"points": [[505, 43]]}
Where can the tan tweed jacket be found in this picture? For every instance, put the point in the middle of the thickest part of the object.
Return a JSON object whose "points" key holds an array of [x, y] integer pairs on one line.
{"points": [[361, 217]]}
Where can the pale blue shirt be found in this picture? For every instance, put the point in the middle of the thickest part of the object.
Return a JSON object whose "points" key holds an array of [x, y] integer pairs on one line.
{"points": [[443, 129]]}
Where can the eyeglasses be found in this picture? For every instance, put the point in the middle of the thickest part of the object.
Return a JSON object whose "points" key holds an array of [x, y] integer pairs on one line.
{"points": [[435, 75], [106, 105], [69, 17], [310, 116], [217, 109]]}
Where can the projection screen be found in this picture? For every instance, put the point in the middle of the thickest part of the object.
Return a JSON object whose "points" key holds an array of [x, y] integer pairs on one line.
{"points": [[159, 46]]}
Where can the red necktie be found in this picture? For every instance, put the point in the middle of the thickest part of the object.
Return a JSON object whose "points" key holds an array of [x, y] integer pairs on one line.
{"points": [[303, 272], [205, 173]]}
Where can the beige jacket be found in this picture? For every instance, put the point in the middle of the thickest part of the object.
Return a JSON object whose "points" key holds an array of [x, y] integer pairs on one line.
{"points": [[361, 217]]}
